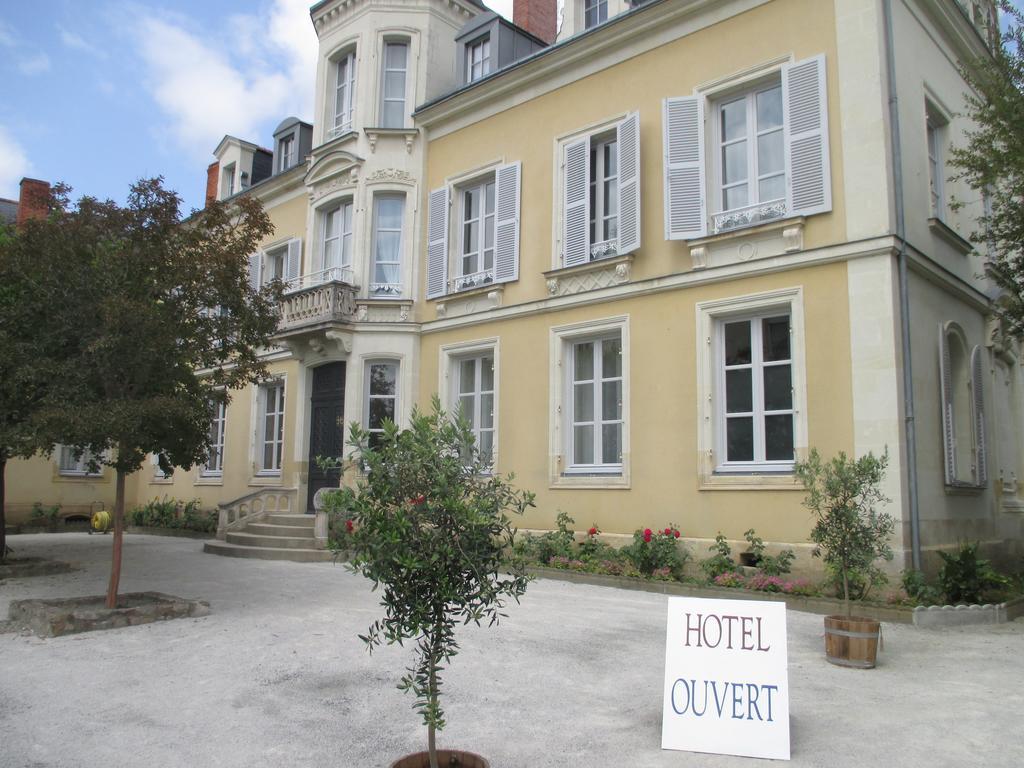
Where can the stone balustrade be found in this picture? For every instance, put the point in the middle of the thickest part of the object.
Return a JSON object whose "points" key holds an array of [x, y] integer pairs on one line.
{"points": [[318, 305], [236, 514]]}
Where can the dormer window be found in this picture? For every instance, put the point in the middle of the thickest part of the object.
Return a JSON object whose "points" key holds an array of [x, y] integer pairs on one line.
{"points": [[285, 153], [595, 12], [345, 94], [478, 59], [392, 107]]}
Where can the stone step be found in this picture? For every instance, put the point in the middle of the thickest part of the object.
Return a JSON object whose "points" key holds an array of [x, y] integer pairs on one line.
{"points": [[268, 553], [306, 521], [269, 529], [279, 542]]}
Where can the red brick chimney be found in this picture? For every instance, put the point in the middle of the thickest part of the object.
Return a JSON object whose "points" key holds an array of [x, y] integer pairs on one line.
{"points": [[212, 177], [33, 200], [538, 17]]}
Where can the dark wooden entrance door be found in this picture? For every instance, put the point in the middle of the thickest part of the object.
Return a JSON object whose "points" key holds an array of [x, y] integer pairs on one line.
{"points": [[326, 426]]}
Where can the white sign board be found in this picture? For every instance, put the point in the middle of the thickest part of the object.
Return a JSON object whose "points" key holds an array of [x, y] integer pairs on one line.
{"points": [[726, 683]]}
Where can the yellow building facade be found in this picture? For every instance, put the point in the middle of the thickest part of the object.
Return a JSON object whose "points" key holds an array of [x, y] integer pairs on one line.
{"points": [[655, 257]]}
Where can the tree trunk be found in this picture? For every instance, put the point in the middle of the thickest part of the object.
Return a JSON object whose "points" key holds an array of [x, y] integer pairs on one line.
{"points": [[3, 515], [431, 731], [115, 565], [846, 594]]}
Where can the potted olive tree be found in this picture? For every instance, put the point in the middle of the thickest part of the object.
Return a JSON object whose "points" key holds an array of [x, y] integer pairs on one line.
{"points": [[850, 535], [431, 528]]}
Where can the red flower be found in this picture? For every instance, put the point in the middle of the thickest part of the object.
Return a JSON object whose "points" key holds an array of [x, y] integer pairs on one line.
{"points": [[668, 531], [676, 534], [348, 526], [647, 535], [418, 499], [592, 532]]}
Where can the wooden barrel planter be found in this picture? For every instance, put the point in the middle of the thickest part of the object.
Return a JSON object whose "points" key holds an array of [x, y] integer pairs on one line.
{"points": [[851, 642], [446, 758]]}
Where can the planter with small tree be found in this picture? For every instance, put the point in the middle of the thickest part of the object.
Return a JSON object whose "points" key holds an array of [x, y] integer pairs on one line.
{"points": [[431, 528], [850, 535]]}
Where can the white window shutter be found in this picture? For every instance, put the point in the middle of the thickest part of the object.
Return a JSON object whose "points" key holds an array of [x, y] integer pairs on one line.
{"points": [[685, 190], [946, 386], [805, 116], [978, 397], [576, 214], [293, 260], [437, 243], [628, 139], [506, 228], [255, 261]]}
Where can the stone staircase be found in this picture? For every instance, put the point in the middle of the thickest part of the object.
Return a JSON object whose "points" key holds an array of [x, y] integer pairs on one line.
{"points": [[261, 525]]}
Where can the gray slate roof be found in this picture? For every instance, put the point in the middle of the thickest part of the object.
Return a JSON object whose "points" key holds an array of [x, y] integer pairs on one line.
{"points": [[8, 211]]}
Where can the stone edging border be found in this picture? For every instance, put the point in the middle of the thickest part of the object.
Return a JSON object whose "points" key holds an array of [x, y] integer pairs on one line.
{"points": [[964, 615], [183, 533]]}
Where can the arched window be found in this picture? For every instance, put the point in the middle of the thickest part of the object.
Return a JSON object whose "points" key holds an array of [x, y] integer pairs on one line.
{"points": [[963, 408]]}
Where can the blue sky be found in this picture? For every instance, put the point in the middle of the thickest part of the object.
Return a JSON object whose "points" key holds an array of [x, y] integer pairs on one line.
{"points": [[102, 92], [98, 93]]}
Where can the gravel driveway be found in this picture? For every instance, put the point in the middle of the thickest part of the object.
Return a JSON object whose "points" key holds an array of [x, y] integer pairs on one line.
{"points": [[277, 676]]}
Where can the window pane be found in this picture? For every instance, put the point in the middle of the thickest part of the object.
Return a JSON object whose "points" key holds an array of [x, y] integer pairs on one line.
{"points": [[486, 444], [734, 120], [383, 377], [389, 212], [583, 445], [611, 360], [490, 197], [268, 456], [772, 188], [471, 233], [487, 374], [735, 197], [734, 162], [394, 85], [775, 336], [778, 438], [739, 397], [394, 55], [467, 376], [486, 411], [394, 114], [611, 400], [737, 343], [381, 408], [466, 408], [584, 361], [611, 159], [769, 109], [770, 158], [583, 402], [611, 443], [740, 439], [778, 388], [471, 203]]}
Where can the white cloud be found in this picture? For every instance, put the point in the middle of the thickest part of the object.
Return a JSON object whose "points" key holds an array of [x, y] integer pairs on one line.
{"points": [[34, 64], [14, 165], [7, 37], [207, 89], [78, 43]]}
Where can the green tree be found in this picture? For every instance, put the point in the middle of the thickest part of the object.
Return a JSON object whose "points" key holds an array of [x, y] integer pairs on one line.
{"points": [[991, 161], [162, 323], [431, 527], [850, 534]]}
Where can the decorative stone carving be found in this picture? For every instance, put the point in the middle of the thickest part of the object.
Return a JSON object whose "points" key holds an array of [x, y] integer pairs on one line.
{"points": [[442, 309], [362, 313], [391, 174], [553, 286], [458, 306], [403, 313], [342, 339], [746, 251], [622, 272], [699, 256]]}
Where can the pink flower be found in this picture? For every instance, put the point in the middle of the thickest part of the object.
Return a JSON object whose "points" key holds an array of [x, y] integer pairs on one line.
{"points": [[418, 499], [676, 534], [348, 526], [647, 535], [592, 532], [668, 531]]}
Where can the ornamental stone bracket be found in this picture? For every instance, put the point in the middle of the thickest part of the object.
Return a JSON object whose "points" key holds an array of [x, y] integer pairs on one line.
{"points": [[601, 273], [375, 134], [386, 311], [471, 302], [391, 174]]}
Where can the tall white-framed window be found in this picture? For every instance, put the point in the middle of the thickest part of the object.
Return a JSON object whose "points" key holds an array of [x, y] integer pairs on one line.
{"points": [[274, 263], [214, 466], [227, 183], [590, 403], [478, 58], [388, 214], [754, 371], [604, 192], [336, 241], [270, 443], [962, 372], [393, 77], [935, 130], [594, 12], [475, 263], [71, 465], [380, 385], [750, 160], [474, 399], [748, 151], [344, 94], [286, 153], [600, 192], [751, 388]]}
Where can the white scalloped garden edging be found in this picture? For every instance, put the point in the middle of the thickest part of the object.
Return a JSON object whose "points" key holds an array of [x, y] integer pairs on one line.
{"points": [[963, 615]]}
